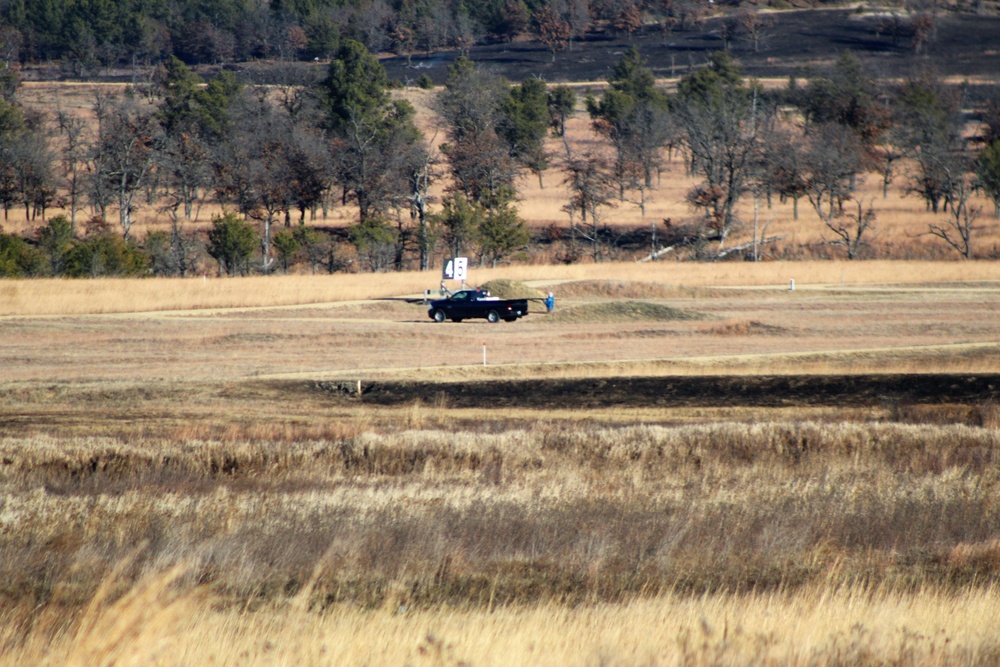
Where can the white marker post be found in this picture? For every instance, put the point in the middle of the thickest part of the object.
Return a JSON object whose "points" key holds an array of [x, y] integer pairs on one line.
{"points": [[484, 353]]}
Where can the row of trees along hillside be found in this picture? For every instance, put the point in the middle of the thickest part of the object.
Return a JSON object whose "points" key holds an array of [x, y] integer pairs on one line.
{"points": [[86, 35], [277, 157]]}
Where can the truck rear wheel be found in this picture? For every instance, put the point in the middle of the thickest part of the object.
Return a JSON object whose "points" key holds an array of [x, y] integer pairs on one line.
{"points": [[438, 315], [493, 317]]}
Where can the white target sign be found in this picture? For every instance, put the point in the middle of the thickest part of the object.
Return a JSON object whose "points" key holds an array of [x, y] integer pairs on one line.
{"points": [[456, 268]]}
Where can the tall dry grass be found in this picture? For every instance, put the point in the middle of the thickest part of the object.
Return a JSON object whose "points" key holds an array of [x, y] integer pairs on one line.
{"points": [[851, 626], [572, 514], [428, 536], [67, 297]]}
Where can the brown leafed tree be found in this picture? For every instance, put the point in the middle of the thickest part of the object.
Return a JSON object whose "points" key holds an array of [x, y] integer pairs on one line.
{"points": [[924, 27], [552, 30], [627, 19], [515, 17], [684, 13]]}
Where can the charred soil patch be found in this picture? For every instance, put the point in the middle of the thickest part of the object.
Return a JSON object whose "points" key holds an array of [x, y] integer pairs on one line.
{"points": [[796, 43], [673, 392]]}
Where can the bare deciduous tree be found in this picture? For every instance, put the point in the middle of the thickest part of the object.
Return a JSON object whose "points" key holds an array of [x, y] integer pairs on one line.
{"points": [[833, 159], [960, 226], [850, 227], [481, 161], [74, 154], [127, 144], [755, 25], [185, 167], [784, 168], [591, 189], [722, 121]]}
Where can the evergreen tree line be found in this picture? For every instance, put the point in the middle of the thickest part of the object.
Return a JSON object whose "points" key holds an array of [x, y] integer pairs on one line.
{"points": [[84, 35], [277, 157]]}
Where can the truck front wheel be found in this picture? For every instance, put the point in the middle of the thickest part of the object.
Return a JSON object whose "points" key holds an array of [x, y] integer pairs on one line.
{"points": [[493, 317], [438, 315]]}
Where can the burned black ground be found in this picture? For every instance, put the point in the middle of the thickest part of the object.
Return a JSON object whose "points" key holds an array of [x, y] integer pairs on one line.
{"points": [[800, 43], [683, 391]]}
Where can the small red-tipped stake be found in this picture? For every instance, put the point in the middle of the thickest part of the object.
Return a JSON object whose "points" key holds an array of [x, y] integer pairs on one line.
{"points": [[484, 353]]}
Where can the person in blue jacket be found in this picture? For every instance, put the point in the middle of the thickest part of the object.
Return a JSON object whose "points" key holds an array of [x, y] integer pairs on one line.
{"points": [[550, 302]]}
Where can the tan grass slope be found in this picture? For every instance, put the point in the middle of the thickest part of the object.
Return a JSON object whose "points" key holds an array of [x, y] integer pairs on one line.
{"points": [[54, 297], [511, 289]]}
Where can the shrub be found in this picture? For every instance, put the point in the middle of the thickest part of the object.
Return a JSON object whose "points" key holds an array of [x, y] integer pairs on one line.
{"points": [[286, 243], [106, 254], [171, 253], [17, 258], [375, 240], [316, 247], [231, 243], [55, 240]]}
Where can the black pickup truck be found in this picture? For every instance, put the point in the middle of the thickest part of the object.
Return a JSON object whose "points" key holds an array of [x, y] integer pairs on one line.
{"points": [[471, 303]]}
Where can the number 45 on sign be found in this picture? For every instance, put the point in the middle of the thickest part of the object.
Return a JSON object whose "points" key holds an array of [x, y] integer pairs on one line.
{"points": [[456, 268]]}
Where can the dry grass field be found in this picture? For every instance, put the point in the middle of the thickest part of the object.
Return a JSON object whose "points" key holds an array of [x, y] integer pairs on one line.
{"points": [[179, 486], [188, 477]]}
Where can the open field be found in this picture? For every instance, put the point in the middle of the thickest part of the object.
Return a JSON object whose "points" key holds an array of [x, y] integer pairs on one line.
{"points": [[725, 472], [684, 464], [699, 320]]}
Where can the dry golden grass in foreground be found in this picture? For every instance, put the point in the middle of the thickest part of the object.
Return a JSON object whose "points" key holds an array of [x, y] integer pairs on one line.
{"points": [[719, 544], [116, 295], [853, 626]]}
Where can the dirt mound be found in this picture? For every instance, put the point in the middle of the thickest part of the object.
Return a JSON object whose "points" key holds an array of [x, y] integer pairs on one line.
{"points": [[617, 311], [616, 289], [511, 289]]}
